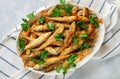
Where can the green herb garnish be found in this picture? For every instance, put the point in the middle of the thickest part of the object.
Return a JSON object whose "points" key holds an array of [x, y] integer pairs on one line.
{"points": [[75, 40], [85, 45], [62, 2], [24, 20], [21, 43], [56, 12], [71, 60], [84, 36], [61, 67], [31, 15], [51, 26], [84, 26], [43, 54], [59, 36], [68, 8], [41, 62], [79, 23], [33, 59], [95, 22], [25, 26], [41, 20], [72, 65]]}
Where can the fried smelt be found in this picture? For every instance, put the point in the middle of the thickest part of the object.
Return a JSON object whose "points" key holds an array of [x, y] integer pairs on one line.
{"points": [[40, 28], [80, 13], [83, 54], [33, 35], [72, 48], [74, 10], [38, 33], [34, 54], [28, 52], [69, 35], [38, 41], [93, 35], [90, 28], [63, 19], [50, 61], [52, 67], [56, 43], [44, 27], [31, 63], [51, 50], [85, 12], [82, 18], [52, 37], [65, 33]]}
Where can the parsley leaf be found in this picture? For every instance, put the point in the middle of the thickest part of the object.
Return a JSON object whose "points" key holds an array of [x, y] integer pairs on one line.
{"points": [[85, 45], [21, 43], [59, 36], [56, 12], [43, 54], [33, 59], [24, 20], [62, 2], [72, 65], [61, 67], [84, 36], [41, 20], [95, 22], [72, 58], [84, 26], [51, 26], [25, 26], [79, 23], [41, 62], [75, 40], [31, 15], [68, 8]]}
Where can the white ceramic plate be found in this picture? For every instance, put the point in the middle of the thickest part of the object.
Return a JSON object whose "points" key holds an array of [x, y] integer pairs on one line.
{"points": [[97, 46]]}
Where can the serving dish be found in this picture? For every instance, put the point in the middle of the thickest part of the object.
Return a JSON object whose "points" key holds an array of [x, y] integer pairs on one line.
{"points": [[98, 43]]}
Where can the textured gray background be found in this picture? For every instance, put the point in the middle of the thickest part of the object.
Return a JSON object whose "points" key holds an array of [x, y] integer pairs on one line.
{"points": [[11, 12]]}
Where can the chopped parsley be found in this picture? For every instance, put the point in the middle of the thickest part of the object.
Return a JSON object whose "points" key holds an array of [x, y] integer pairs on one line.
{"points": [[43, 55], [84, 36], [71, 60], [85, 45], [31, 15], [62, 2], [61, 67], [41, 20], [56, 12], [51, 26], [59, 36], [79, 23], [75, 40], [41, 62], [68, 8], [25, 26], [84, 26], [21, 44], [95, 22]]}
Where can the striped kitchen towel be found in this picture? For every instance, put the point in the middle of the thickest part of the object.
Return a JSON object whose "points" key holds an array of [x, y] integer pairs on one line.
{"points": [[11, 66]]}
